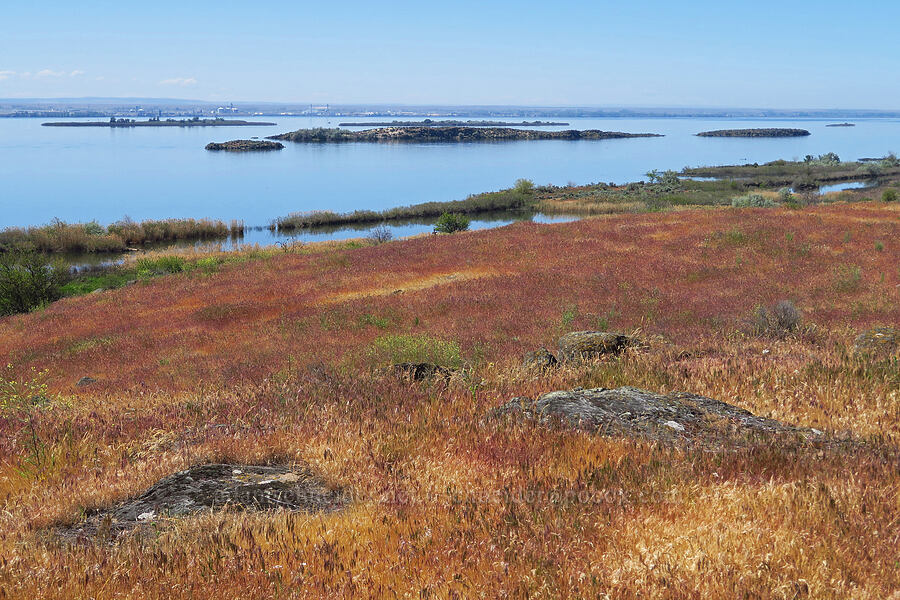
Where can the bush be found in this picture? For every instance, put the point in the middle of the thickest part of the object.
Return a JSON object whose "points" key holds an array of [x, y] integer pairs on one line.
{"points": [[147, 267], [451, 223], [27, 282], [778, 321], [380, 234], [524, 186], [889, 196], [752, 200], [785, 196]]}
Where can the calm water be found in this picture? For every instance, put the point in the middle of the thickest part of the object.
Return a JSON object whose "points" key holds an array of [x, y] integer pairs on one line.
{"points": [[82, 174]]}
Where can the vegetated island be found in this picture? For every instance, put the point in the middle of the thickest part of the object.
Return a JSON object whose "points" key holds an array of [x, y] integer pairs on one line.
{"points": [[841, 125], [157, 122], [750, 133], [447, 134], [245, 146], [455, 123]]}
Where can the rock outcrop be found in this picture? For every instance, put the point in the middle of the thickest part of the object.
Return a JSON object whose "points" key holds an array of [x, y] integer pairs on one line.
{"points": [[878, 341], [215, 487], [636, 413], [540, 359], [421, 371], [592, 344]]}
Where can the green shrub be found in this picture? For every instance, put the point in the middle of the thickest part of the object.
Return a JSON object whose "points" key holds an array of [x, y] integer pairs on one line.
{"points": [[451, 223], [889, 195], [752, 200], [785, 196], [147, 267], [393, 349], [524, 186], [27, 282]]}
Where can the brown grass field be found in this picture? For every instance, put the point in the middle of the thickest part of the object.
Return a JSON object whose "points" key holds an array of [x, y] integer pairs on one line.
{"points": [[275, 360]]}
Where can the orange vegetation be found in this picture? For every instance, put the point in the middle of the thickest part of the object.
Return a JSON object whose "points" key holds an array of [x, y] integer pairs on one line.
{"points": [[268, 360]]}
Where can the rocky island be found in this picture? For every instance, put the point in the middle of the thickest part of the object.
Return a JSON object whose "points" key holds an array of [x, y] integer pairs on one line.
{"points": [[157, 122], [245, 146], [841, 125], [455, 123], [446, 134], [749, 133]]}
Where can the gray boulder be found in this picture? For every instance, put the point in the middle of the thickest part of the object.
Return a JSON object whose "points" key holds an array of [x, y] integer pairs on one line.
{"points": [[878, 341], [637, 413], [540, 359], [592, 344], [216, 487], [421, 371]]}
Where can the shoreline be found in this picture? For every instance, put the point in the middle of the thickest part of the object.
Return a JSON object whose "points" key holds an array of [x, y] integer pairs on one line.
{"points": [[662, 191]]}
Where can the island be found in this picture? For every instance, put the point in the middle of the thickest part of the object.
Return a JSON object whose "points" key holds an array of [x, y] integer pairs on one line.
{"points": [[157, 122], [453, 123], [446, 134], [758, 133], [245, 146], [841, 125]]}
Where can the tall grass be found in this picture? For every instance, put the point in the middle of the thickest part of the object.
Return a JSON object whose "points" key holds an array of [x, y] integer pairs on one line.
{"points": [[518, 198], [258, 362], [93, 237]]}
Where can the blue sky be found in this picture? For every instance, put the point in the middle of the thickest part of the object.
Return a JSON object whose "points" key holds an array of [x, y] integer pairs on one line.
{"points": [[788, 54]]}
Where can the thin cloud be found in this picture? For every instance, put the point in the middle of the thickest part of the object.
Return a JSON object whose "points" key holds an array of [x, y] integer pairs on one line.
{"points": [[180, 81], [49, 73], [6, 75], [76, 73]]}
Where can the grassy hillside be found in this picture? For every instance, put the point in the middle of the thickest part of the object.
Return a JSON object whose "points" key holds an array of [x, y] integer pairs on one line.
{"points": [[278, 359]]}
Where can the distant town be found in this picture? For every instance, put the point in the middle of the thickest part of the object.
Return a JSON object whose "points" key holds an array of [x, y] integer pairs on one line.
{"points": [[175, 108]]}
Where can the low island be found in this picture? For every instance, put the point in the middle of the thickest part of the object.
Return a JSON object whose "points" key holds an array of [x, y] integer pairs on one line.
{"points": [[751, 133], [841, 125], [245, 146], [446, 134], [157, 122], [455, 123]]}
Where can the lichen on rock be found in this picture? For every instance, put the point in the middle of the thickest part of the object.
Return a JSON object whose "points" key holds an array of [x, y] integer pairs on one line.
{"points": [[215, 487]]}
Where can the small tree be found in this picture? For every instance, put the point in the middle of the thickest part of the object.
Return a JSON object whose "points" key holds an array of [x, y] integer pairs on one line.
{"points": [[524, 186], [451, 223], [889, 196], [380, 234]]}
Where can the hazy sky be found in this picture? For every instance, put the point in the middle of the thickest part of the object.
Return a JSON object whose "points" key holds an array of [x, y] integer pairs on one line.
{"points": [[785, 54]]}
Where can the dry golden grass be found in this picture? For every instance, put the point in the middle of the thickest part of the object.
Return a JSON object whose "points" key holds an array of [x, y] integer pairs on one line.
{"points": [[260, 361]]}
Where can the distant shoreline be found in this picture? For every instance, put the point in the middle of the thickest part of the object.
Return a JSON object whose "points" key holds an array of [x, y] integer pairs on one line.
{"points": [[115, 123]]}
